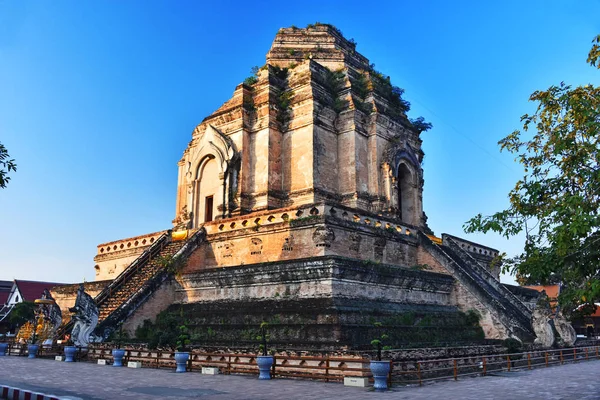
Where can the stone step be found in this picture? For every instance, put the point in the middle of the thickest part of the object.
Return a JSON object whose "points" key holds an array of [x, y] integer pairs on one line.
{"points": [[139, 278]]}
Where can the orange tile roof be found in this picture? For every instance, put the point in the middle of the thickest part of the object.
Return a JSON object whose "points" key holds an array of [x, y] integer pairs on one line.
{"points": [[551, 290]]}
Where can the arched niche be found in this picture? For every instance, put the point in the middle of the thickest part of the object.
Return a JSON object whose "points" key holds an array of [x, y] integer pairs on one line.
{"points": [[405, 181], [404, 186], [208, 175], [208, 191]]}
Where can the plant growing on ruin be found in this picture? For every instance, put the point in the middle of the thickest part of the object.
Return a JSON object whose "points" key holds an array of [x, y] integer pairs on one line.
{"points": [[419, 267], [171, 264], [393, 94], [555, 204], [420, 124], [249, 106], [334, 83], [360, 85], [305, 220], [377, 343], [363, 106], [312, 26], [283, 101], [263, 336], [252, 79], [166, 331], [473, 317], [280, 73], [162, 332]]}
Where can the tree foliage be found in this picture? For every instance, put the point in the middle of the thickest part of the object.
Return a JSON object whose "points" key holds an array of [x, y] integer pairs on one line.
{"points": [[6, 165], [420, 124], [21, 313], [556, 203]]}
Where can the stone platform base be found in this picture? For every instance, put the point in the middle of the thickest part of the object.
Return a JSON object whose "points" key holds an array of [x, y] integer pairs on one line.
{"points": [[323, 324], [320, 303]]}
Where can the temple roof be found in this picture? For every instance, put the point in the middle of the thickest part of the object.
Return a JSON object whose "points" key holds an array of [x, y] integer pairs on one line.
{"points": [[32, 290], [5, 287]]}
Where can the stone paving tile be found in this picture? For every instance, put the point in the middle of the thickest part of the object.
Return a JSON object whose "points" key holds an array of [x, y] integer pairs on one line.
{"points": [[91, 382]]}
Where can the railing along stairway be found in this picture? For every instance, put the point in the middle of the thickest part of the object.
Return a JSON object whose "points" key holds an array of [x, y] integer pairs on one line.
{"points": [[130, 289], [513, 314], [116, 303]]}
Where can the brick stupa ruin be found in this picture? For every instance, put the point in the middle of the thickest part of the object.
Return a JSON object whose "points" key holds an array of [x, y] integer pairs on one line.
{"points": [[299, 202]]}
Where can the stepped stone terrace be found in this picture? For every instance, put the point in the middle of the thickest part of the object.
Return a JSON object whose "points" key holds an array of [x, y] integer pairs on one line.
{"points": [[299, 202]]}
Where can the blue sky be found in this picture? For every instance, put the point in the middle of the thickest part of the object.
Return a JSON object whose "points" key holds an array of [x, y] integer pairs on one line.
{"points": [[98, 101]]}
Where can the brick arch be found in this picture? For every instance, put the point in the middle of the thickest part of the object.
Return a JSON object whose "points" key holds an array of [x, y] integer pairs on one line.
{"points": [[209, 146], [208, 190], [406, 185]]}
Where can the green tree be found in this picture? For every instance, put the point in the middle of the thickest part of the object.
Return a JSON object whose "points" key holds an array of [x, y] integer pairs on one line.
{"points": [[21, 313], [556, 203], [6, 165]]}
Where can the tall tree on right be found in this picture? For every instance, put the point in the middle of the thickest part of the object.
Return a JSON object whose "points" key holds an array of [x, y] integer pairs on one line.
{"points": [[6, 165], [556, 203]]}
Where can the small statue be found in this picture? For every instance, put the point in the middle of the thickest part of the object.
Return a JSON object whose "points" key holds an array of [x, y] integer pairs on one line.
{"points": [[51, 311], [85, 315], [567, 333], [540, 322]]}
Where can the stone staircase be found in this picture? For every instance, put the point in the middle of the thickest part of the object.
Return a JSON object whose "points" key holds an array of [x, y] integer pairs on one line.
{"points": [[137, 282], [140, 276], [508, 309]]}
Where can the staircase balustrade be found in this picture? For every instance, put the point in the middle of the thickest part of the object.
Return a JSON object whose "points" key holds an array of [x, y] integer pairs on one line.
{"points": [[139, 290], [469, 272], [142, 260]]}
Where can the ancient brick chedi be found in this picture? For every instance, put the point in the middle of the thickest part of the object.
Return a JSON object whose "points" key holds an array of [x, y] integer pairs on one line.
{"points": [[316, 124], [299, 201]]}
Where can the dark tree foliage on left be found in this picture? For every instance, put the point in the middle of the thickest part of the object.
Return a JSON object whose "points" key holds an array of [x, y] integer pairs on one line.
{"points": [[6, 165]]}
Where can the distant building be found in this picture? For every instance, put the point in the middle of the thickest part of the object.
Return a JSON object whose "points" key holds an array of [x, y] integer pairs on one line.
{"points": [[552, 291], [589, 325], [17, 291], [5, 288]]}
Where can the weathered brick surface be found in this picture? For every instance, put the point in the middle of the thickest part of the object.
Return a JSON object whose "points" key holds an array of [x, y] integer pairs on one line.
{"points": [[313, 159], [113, 257], [465, 301], [300, 140], [160, 300]]}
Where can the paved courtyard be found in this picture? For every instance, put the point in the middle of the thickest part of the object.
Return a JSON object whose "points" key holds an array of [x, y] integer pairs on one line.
{"points": [[91, 381]]}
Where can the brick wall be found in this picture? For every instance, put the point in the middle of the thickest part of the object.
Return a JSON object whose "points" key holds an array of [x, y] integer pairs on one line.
{"points": [[465, 301], [162, 298]]}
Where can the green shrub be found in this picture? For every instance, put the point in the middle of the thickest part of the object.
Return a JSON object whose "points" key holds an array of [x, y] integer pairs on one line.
{"points": [[251, 80], [377, 343]]}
